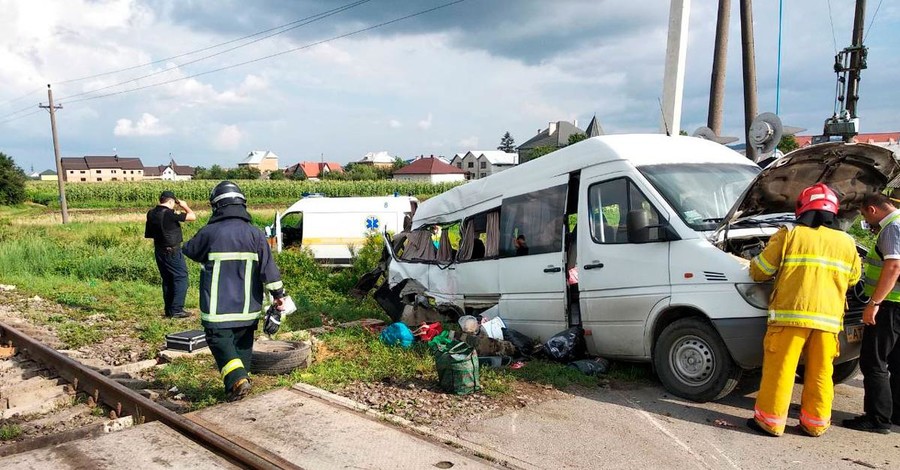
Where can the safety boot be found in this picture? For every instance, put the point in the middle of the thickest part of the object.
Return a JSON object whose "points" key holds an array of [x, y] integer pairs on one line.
{"points": [[239, 390]]}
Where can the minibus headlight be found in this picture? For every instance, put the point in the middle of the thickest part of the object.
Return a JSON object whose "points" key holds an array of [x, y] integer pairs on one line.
{"points": [[755, 294]]}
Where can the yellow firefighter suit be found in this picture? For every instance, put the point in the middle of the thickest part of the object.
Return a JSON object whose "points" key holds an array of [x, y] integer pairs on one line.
{"points": [[812, 267]]}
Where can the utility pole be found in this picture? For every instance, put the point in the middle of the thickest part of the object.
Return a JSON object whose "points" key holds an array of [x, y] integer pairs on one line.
{"points": [[676, 56], [60, 176], [720, 57], [857, 58], [749, 62]]}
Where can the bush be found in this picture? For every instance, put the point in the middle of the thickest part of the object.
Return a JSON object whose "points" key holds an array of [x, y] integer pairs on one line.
{"points": [[12, 181]]}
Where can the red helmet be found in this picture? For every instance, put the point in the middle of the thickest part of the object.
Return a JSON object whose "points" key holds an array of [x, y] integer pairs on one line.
{"points": [[818, 197]]}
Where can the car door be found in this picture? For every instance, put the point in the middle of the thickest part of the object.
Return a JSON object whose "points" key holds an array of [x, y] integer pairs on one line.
{"points": [[531, 265], [621, 278]]}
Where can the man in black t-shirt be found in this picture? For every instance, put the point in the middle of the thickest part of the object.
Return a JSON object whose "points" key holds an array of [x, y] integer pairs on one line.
{"points": [[164, 227]]}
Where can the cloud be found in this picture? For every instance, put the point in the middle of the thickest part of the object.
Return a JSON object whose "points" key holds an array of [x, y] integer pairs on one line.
{"points": [[228, 138], [395, 124], [469, 142], [147, 126], [425, 124]]}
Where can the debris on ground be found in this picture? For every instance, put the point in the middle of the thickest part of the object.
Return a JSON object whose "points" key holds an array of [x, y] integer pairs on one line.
{"points": [[595, 366]]}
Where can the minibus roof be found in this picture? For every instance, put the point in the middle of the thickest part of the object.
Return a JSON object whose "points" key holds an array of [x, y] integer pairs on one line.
{"points": [[639, 149], [314, 204]]}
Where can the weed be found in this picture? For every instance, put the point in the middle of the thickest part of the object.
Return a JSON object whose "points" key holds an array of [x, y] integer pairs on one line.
{"points": [[76, 334], [9, 432], [99, 411]]}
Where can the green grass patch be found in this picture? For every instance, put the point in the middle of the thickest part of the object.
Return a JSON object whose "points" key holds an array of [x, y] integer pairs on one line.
{"points": [[197, 378], [10, 431]]}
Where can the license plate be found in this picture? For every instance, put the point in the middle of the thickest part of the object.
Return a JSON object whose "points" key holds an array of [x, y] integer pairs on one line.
{"points": [[854, 333]]}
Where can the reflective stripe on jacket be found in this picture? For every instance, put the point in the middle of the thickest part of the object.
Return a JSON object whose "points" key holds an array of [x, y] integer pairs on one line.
{"points": [[236, 267], [813, 268], [874, 263]]}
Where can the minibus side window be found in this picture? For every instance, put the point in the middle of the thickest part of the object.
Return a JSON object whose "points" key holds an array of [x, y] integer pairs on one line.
{"points": [[479, 237], [533, 223], [609, 203]]}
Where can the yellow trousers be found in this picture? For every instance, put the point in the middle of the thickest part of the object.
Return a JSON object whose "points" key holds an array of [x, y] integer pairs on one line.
{"points": [[783, 348]]}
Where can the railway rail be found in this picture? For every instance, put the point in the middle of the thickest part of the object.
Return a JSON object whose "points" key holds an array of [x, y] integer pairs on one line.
{"points": [[41, 361]]}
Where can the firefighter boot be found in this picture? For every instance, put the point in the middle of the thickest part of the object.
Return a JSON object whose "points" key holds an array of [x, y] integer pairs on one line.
{"points": [[239, 390]]}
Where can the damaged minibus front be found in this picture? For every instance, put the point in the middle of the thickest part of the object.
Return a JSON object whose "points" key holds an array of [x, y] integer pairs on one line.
{"points": [[659, 230]]}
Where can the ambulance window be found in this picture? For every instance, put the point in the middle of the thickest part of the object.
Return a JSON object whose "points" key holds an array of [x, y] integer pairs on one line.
{"points": [[609, 203], [533, 223]]}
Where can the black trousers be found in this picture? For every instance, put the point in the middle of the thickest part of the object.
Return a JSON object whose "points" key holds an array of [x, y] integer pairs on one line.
{"points": [[232, 348], [879, 362], [174, 273]]}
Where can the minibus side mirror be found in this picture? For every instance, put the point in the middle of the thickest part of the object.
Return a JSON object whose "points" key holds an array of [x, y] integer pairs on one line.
{"points": [[639, 230]]}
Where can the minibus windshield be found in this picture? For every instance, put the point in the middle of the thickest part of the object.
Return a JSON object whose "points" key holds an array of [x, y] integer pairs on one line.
{"points": [[703, 193]]}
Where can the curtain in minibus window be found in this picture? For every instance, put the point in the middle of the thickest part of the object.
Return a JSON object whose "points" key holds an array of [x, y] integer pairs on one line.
{"points": [[466, 241], [532, 223]]}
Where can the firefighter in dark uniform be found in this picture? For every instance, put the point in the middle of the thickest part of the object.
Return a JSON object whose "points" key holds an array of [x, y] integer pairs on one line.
{"points": [[237, 266]]}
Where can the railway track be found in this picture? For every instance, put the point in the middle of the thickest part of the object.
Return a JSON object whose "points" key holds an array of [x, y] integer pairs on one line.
{"points": [[39, 381]]}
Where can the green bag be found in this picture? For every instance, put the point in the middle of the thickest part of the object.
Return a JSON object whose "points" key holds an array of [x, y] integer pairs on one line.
{"points": [[457, 368]]}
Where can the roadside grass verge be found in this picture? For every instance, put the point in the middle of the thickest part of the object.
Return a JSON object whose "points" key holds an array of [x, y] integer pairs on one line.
{"points": [[9, 432]]}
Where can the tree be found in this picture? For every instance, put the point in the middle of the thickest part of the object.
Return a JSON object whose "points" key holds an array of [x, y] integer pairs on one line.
{"points": [[277, 175], [575, 138], [787, 143], [507, 143], [540, 152], [12, 181], [682, 132], [398, 164]]}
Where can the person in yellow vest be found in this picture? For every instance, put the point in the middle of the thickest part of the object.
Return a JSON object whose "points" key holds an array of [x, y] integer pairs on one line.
{"points": [[879, 359], [813, 264]]}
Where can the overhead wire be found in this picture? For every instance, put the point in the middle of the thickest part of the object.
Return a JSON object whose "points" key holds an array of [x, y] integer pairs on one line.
{"points": [[304, 22], [18, 111], [19, 98], [872, 21], [833, 35], [21, 117], [214, 46], [270, 56]]}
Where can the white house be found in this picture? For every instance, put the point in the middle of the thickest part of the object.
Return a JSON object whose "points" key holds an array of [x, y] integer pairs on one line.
{"points": [[378, 159], [482, 163], [264, 160], [431, 170]]}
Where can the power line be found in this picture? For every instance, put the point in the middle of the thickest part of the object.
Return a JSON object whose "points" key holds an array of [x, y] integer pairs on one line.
{"points": [[214, 46], [833, 35], [26, 95], [20, 117], [311, 19], [307, 46], [13, 113], [869, 29]]}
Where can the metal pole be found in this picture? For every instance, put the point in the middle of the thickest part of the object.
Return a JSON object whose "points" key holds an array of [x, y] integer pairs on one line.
{"points": [[749, 62], [60, 176], [720, 57], [676, 55], [778, 72], [855, 66]]}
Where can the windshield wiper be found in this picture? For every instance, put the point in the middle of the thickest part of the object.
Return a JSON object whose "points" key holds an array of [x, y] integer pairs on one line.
{"points": [[713, 219]]}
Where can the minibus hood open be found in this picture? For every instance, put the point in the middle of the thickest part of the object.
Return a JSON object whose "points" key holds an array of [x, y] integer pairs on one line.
{"points": [[851, 170]]}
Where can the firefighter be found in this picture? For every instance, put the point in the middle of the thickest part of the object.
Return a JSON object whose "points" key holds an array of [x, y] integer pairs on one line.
{"points": [[237, 266], [813, 265]]}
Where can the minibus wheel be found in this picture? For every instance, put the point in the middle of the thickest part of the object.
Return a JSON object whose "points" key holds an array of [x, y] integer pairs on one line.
{"points": [[693, 362]]}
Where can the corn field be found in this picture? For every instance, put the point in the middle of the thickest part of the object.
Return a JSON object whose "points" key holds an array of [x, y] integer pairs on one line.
{"points": [[143, 193]]}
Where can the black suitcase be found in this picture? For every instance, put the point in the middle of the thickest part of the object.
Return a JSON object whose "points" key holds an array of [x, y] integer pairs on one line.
{"points": [[189, 341]]}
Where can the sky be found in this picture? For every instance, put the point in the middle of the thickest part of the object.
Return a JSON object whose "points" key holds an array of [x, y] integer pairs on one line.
{"points": [[444, 82]]}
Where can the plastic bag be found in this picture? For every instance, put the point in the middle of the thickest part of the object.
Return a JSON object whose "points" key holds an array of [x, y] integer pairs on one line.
{"points": [[468, 324], [397, 334], [524, 345], [427, 331], [566, 345], [457, 368], [596, 366]]}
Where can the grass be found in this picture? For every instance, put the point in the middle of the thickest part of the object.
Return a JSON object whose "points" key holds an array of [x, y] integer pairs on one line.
{"points": [[105, 273], [9, 432]]}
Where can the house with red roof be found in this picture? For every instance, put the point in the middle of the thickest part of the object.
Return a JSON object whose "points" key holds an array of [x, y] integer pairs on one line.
{"points": [[890, 140], [432, 170], [313, 170]]}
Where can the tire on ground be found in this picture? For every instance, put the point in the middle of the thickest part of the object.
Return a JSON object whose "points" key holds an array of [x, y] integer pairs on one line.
{"points": [[693, 362], [279, 357], [842, 372]]}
